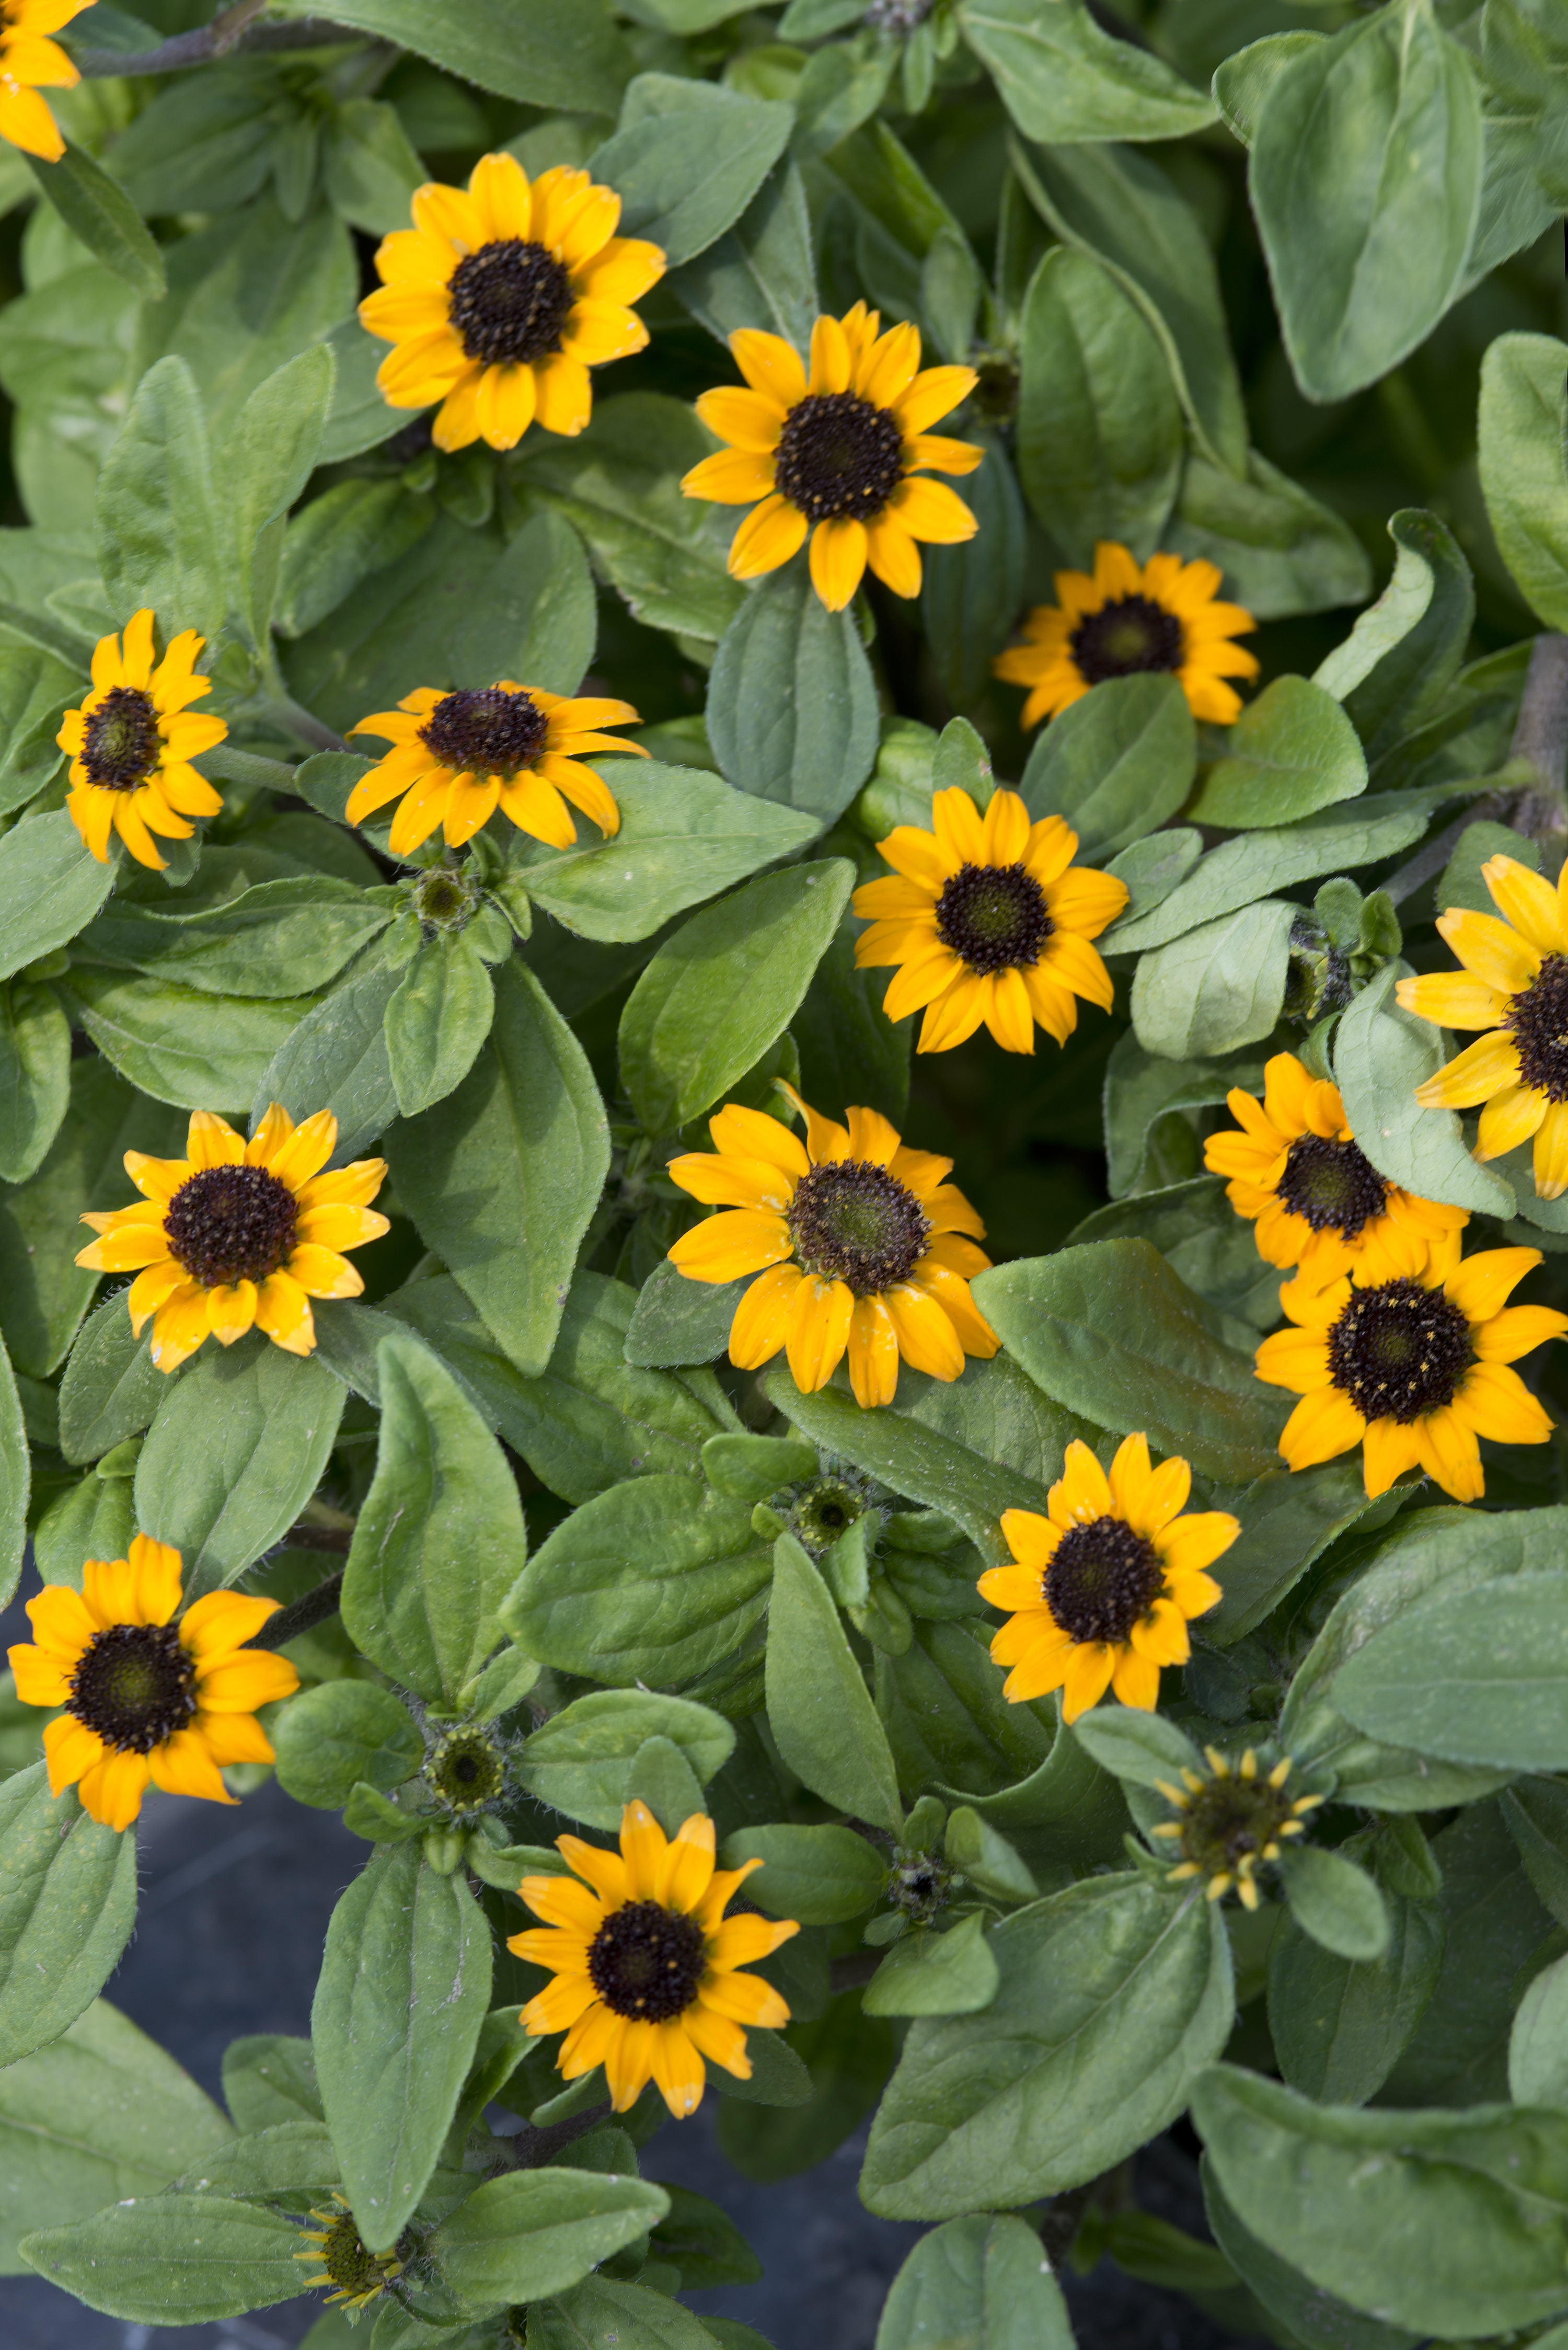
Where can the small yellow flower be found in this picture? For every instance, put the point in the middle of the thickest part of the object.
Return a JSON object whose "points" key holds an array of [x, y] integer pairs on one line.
{"points": [[859, 1243], [132, 741], [238, 1233], [498, 301], [345, 2260], [149, 1694], [1124, 620], [1412, 1366], [1102, 1587], [29, 62], [1233, 1821], [1316, 1200], [1515, 983], [837, 453], [458, 757], [987, 923], [645, 1961]]}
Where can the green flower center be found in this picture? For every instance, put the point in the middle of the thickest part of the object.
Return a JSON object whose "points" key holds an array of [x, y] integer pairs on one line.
{"points": [[852, 1220], [1399, 1351], [993, 917], [510, 302], [1103, 1579], [1125, 636], [231, 1223], [824, 1512], [120, 744], [1333, 1184], [467, 1770], [646, 1962], [839, 457], [1227, 1819], [353, 2268], [135, 1686]]}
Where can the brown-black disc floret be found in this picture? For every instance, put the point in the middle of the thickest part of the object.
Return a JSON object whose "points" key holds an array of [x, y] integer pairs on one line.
{"points": [[510, 302], [486, 730], [1399, 1351], [121, 744], [839, 457], [646, 1962], [1129, 634], [231, 1223], [995, 916], [1332, 1185], [135, 1686], [1538, 1016], [1103, 1578], [853, 1221]]}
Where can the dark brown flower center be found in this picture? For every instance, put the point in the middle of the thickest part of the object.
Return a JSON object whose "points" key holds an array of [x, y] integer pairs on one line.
{"points": [[647, 1961], [1538, 1016], [121, 744], [838, 456], [852, 1220], [1129, 634], [510, 301], [1226, 1819], [487, 730], [995, 916], [1333, 1184], [1103, 1579], [1399, 1350], [135, 1685], [231, 1223]]}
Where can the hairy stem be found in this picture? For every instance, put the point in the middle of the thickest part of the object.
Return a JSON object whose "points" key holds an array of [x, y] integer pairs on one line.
{"points": [[301, 1615], [231, 34]]}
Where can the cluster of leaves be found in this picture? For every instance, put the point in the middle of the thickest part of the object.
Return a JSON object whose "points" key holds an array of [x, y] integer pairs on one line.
{"points": [[517, 1494]]}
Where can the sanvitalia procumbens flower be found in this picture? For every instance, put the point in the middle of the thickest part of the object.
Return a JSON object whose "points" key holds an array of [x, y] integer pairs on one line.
{"points": [[457, 757], [29, 62], [149, 1695], [132, 741], [1315, 1197], [238, 1234], [860, 1245], [500, 299], [1412, 1368], [1161, 615], [1232, 1822], [645, 1961], [1515, 984], [837, 453], [1101, 1589], [987, 923]]}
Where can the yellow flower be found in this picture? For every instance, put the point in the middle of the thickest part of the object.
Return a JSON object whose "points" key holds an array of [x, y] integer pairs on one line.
{"points": [[458, 756], [1231, 1821], [837, 454], [987, 923], [1317, 1198], [1104, 1586], [858, 1243], [1124, 619], [1412, 1368], [30, 62], [645, 1961], [345, 2260], [238, 1233], [147, 1696], [1515, 983], [497, 302], [132, 741]]}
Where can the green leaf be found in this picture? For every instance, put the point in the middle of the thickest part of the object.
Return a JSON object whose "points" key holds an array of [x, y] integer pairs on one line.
{"points": [[687, 159], [173, 2258], [1216, 988], [576, 1762], [436, 1021], [1292, 751], [1537, 2074], [100, 2114], [1318, 2319], [14, 1481], [403, 1990], [103, 217], [269, 460], [1063, 79], [92, 1519], [1054, 2082], [854, 1053], [547, 52], [110, 1388], [371, 170], [1100, 441], [1282, 551], [280, 940], [1396, 666], [792, 710], [1115, 763], [1366, 178], [936, 1975], [337, 1059], [1465, 1685], [656, 1581], [684, 836], [677, 1320], [1110, 1331], [1381, 1054], [986, 1858], [36, 689], [760, 273], [270, 2077], [538, 2231], [1245, 79], [235, 1450], [752, 1468], [1536, 1810], [503, 1177], [976, 2284], [353, 529], [161, 541], [819, 1708], [972, 592], [34, 1077], [1288, 1517], [819, 1875], [1199, 1234], [603, 2312], [1471, 2198], [288, 2158], [440, 1536], [535, 620], [178, 1043], [331, 1737], [703, 2243], [50, 887], [850, 2055], [1520, 429], [1339, 2025], [725, 988], [1335, 1902], [68, 1901], [1144, 1748]]}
